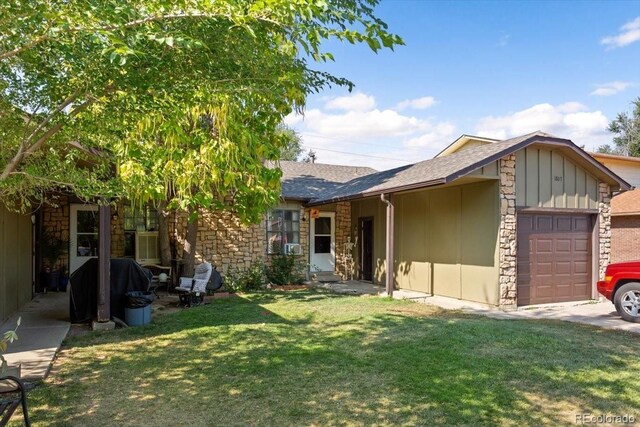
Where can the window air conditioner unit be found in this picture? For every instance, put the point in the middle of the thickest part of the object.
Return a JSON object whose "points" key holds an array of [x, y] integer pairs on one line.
{"points": [[147, 247], [293, 248]]}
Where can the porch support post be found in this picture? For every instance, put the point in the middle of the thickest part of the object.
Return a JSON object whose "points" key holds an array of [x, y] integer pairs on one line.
{"points": [[390, 255], [104, 263]]}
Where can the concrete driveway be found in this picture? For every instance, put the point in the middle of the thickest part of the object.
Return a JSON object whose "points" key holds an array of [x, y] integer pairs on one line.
{"points": [[596, 313]]}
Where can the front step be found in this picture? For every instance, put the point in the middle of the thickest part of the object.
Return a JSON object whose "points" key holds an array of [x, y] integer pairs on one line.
{"points": [[327, 277]]}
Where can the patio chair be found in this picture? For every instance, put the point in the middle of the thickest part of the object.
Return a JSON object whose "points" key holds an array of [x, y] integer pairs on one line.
{"points": [[161, 277], [192, 290], [11, 398]]}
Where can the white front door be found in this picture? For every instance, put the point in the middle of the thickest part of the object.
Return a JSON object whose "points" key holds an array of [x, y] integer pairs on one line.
{"points": [[323, 242], [83, 235]]}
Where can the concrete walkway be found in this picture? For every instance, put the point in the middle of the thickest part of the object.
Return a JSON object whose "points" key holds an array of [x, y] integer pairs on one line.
{"points": [[44, 324], [601, 314]]}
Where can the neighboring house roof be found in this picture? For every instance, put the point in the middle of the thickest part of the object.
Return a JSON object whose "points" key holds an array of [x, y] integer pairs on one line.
{"points": [[627, 203], [625, 166], [306, 181], [604, 157], [445, 169]]}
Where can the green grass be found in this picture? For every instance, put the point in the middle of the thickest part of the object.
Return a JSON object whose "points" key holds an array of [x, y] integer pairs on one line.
{"points": [[312, 358]]}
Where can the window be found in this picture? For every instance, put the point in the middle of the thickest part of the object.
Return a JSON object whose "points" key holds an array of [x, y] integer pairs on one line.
{"points": [[283, 227], [139, 219]]}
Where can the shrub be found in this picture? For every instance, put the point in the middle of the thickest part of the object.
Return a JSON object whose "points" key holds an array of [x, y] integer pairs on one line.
{"points": [[286, 269], [250, 279]]}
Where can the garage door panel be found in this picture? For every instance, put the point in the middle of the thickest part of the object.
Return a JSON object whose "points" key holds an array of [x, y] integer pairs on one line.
{"points": [[554, 258], [563, 223], [582, 224], [563, 267], [543, 223], [582, 245], [563, 245], [543, 246], [581, 267]]}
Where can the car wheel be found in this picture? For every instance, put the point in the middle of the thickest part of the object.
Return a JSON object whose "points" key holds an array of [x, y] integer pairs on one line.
{"points": [[627, 302]]}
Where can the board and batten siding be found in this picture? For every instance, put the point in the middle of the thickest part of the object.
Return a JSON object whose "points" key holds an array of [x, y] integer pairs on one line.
{"points": [[548, 179], [446, 240], [15, 262]]}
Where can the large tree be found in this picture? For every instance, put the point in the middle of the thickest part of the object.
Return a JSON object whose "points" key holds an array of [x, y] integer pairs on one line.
{"points": [[183, 97], [292, 143], [626, 130]]}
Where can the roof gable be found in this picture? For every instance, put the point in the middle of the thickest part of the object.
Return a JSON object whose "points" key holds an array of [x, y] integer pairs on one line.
{"points": [[448, 168], [465, 142]]}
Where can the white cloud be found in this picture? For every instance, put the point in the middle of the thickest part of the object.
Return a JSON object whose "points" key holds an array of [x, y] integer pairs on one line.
{"points": [[438, 136], [369, 136], [629, 33], [417, 104], [363, 124], [504, 40], [357, 102], [611, 88], [570, 120]]}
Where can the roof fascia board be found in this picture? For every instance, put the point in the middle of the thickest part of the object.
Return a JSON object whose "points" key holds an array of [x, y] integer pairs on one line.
{"points": [[558, 142], [547, 140], [379, 192]]}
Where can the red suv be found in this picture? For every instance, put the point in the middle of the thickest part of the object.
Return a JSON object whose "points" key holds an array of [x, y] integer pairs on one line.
{"points": [[621, 285]]}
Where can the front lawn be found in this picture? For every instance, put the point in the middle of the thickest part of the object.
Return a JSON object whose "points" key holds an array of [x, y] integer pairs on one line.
{"points": [[312, 358]]}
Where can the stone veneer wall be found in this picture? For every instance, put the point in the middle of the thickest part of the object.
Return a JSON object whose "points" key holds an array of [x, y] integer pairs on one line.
{"points": [[56, 219], [222, 239], [604, 227], [343, 231], [228, 244], [508, 233]]}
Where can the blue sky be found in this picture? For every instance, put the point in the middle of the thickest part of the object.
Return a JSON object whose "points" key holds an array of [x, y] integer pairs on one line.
{"points": [[497, 69]]}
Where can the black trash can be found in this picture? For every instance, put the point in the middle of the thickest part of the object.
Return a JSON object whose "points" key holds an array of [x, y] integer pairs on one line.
{"points": [[137, 310]]}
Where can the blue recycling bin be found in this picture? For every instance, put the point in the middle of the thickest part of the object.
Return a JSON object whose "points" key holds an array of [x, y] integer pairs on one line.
{"points": [[137, 311]]}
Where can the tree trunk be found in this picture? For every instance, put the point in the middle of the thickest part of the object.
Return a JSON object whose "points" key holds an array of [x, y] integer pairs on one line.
{"points": [[163, 231], [189, 255]]}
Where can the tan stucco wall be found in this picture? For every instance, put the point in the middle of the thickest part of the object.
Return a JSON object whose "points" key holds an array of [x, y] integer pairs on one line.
{"points": [[548, 179], [373, 208], [445, 240], [15, 261]]}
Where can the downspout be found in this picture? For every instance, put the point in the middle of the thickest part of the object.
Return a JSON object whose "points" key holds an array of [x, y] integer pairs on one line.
{"points": [[390, 257]]}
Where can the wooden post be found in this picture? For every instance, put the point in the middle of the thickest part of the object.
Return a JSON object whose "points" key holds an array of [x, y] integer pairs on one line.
{"points": [[104, 264], [390, 255]]}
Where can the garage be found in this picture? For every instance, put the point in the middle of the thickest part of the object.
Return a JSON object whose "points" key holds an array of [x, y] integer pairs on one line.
{"points": [[555, 257]]}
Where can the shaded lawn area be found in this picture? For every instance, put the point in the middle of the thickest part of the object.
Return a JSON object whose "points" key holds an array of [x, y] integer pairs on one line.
{"points": [[313, 358]]}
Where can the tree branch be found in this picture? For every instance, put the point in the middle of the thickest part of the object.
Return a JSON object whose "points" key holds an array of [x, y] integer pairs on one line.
{"points": [[23, 153], [130, 24]]}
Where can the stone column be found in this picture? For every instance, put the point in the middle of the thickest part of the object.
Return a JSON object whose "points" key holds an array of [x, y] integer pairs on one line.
{"points": [[604, 227], [343, 231], [508, 233]]}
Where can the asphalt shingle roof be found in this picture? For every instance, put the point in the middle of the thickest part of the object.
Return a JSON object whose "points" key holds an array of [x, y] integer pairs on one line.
{"points": [[627, 203], [436, 170], [306, 181]]}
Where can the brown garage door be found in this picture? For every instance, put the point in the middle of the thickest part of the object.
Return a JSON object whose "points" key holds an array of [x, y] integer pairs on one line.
{"points": [[554, 258]]}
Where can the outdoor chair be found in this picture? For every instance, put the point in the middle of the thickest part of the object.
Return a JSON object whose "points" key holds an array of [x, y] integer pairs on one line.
{"points": [[192, 290], [11, 398], [161, 277]]}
